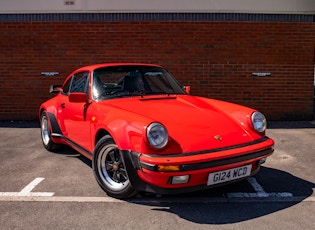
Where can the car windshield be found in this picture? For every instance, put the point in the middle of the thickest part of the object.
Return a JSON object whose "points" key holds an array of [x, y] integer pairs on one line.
{"points": [[126, 81]]}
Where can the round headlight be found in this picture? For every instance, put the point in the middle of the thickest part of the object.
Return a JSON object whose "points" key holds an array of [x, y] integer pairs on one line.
{"points": [[259, 122], [157, 135]]}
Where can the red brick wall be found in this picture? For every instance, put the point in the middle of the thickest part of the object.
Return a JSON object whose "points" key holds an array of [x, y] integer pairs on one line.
{"points": [[216, 58]]}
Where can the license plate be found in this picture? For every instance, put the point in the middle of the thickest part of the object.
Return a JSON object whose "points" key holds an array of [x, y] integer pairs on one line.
{"points": [[228, 175]]}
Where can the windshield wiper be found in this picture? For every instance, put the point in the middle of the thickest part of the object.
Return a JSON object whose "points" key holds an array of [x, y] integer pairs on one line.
{"points": [[159, 93]]}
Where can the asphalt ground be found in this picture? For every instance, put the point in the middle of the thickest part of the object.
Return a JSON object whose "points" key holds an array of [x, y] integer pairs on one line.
{"points": [[44, 190]]}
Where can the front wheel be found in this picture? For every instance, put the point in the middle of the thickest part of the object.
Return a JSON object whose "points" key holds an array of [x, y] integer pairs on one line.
{"points": [[109, 169]]}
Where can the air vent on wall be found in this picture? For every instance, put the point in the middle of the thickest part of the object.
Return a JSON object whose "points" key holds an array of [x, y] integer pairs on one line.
{"points": [[69, 2]]}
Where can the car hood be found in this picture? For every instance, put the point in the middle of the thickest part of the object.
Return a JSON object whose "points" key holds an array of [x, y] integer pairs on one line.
{"points": [[194, 123]]}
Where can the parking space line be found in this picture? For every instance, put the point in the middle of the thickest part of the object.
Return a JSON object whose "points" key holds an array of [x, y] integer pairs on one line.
{"points": [[258, 188], [156, 201], [259, 192], [27, 190], [26, 194]]}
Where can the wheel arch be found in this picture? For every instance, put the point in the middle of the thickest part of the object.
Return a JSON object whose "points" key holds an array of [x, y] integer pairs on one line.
{"points": [[120, 140], [41, 110], [51, 113], [99, 134], [124, 136]]}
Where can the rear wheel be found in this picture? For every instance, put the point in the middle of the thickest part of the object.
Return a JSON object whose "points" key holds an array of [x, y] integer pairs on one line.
{"points": [[109, 169], [46, 133]]}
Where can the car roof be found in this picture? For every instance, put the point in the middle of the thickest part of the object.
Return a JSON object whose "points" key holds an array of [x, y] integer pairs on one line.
{"points": [[96, 66]]}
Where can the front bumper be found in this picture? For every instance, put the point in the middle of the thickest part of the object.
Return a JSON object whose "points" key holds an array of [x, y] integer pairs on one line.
{"points": [[144, 175]]}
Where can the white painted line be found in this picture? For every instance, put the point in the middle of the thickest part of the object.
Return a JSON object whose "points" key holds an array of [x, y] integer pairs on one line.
{"points": [[157, 201], [258, 195], [27, 190], [26, 194], [61, 199], [243, 195], [280, 194], [260, 192]]}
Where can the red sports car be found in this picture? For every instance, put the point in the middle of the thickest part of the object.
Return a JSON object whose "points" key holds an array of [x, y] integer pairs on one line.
{"points": [[144, 132]]}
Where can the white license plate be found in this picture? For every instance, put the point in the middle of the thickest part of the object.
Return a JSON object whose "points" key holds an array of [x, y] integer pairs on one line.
{"points": [[228, 175]]}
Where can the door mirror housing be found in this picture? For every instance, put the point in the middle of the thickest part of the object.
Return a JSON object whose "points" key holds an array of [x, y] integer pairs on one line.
{"points": [[187, 89], [55, 89], [77, 97]]}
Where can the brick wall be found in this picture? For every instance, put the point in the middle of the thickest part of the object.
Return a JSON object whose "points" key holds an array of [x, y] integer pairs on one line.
{"points": [[216, 58]]}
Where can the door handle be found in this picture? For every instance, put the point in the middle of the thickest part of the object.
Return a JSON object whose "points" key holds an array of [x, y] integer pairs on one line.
{"points": [[63, 105]]}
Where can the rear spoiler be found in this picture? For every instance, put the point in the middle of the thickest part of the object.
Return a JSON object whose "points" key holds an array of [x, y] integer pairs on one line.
{"points": [[55, 89]]}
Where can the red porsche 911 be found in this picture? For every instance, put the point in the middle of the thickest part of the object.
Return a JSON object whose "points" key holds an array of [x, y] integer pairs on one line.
{"points": [[144, 132]]}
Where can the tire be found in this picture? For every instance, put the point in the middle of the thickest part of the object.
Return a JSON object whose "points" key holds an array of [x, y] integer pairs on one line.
{"points": [[46, 133], [109, 169]]}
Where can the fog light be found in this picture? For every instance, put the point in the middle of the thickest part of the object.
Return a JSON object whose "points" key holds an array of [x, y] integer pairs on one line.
{"points": [[168, 168], [180, 179]]}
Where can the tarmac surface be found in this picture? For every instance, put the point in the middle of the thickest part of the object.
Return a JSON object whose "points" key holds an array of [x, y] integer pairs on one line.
{"points": [[44, 190]]}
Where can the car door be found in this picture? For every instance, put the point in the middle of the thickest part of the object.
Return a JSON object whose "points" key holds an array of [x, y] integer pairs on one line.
{"points": [[76, 124], [62, 99]]}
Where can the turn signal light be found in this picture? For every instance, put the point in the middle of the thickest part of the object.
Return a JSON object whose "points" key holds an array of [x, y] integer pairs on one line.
{"points": [[168, 168]]}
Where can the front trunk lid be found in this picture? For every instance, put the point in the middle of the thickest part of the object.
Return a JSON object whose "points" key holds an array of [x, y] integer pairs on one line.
{"points": [[193, 125]]}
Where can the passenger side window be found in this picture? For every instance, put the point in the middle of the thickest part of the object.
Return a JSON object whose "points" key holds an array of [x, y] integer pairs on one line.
{"points": [[80, 83]]}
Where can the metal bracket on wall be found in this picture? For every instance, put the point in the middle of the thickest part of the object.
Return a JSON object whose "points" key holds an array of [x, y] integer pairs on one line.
{"points": [[261, 74], [49, 74]]}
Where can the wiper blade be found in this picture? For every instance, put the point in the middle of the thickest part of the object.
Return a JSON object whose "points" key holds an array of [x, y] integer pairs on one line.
{"points": [[138, 93], [125, 94]]}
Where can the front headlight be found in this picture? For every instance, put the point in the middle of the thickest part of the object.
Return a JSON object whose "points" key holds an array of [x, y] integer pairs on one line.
{"points": [[259, 122], [157, 135]]}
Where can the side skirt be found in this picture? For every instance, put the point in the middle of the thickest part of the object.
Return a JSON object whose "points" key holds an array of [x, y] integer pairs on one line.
{"points": [[74, 145]]}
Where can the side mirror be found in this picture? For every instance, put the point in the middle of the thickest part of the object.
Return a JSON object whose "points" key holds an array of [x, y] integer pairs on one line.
{"points": [[187, 89], [55, 89], [77, 97]]}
